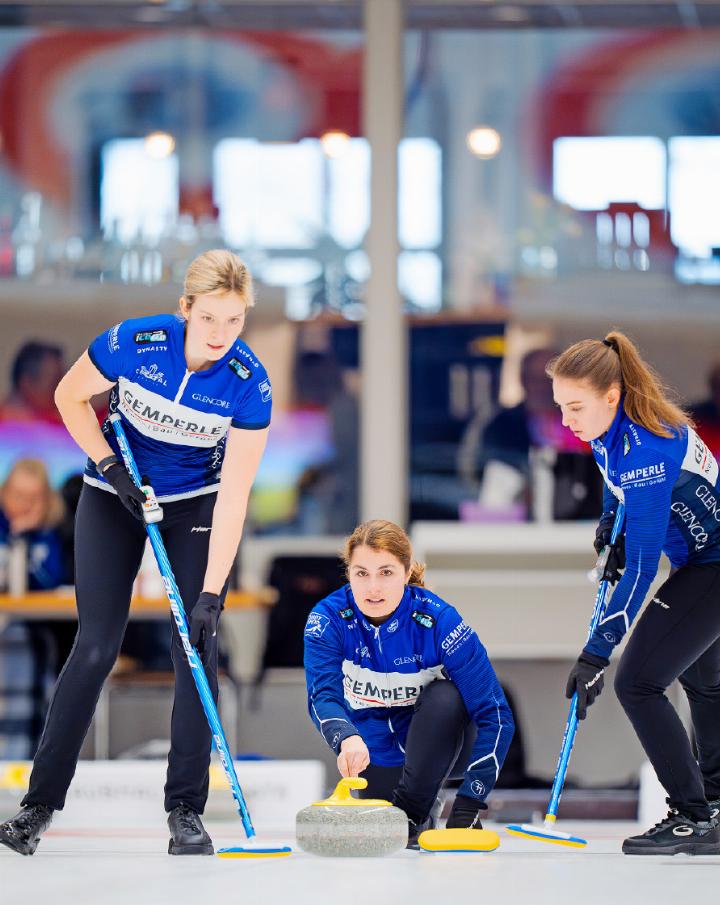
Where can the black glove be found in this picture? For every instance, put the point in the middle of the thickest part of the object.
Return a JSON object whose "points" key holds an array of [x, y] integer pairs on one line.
{"points": [[465, 814], [130, 496], [616, 558], [586, 677], [204, 619]]}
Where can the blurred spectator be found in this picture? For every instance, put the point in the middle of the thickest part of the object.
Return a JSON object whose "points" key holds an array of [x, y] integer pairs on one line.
{"points": [[707, 413], [345, 421], [36, 372], [327, 491], [30, 512], [534, 463]]}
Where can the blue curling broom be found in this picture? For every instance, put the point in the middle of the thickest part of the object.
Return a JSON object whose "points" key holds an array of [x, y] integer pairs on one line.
{"points": [[547, 832], [152, 513]]}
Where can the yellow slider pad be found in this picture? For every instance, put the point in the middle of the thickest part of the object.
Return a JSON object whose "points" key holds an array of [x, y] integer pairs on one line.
{"points": [[459, 841]]}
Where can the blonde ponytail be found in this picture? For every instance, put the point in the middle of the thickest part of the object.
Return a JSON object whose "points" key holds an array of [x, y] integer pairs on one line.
{"points": [[218, 272]]}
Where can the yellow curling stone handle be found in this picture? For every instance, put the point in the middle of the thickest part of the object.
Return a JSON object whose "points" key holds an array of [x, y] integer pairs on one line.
{"points": [[341, 797]]}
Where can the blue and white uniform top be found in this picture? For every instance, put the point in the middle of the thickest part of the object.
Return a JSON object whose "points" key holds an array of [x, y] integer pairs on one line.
{"points": [[672, 504], [364, 679], [176, 420]]}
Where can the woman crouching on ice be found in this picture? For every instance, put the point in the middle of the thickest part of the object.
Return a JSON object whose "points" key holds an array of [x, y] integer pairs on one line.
{"points": [[401, 688]]}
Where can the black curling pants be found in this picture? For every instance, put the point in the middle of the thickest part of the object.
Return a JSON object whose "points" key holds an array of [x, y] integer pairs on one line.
{"points": [[678, 637], [438, 747], [109, 544]]}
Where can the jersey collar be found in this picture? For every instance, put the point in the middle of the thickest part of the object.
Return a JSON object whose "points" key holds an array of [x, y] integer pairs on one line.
{"points": [[613, 434]]}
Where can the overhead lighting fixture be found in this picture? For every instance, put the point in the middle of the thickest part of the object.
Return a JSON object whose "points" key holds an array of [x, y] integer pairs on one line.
{"points": [[159, 145], [484, 142], [334, 143]]}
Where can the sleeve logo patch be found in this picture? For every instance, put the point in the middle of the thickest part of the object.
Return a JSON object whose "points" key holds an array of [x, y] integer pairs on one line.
{"points": [[151, 336], [113, 341], [456, 638], [239, 368], [423, 619], [316, 625], [265, 390], [641, 477]]}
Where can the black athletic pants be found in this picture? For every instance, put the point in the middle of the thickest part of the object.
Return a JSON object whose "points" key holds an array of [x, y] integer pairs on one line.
{"points": [[109, 545], [438, 747], [678, 637]]}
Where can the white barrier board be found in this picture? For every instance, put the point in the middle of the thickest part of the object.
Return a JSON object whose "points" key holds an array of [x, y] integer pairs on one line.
{"points": [[129, 793]]}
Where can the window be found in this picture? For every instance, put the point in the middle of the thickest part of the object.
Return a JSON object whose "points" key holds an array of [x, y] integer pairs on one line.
{"points": [[139, 192], [591, 173]]}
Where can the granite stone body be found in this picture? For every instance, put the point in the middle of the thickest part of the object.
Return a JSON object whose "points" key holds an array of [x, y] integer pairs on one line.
{"points": [[355, 831]]}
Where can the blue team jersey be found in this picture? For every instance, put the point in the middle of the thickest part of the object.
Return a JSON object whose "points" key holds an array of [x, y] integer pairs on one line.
{"points": [[672, 505], [364, 679], [176, 420]]}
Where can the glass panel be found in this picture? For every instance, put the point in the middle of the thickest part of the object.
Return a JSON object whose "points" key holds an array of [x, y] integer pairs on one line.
{"points": [[139, 191], [578, 191], [591, 173]]}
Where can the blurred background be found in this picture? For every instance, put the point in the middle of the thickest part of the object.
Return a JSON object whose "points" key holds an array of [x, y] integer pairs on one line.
{"points": [[433, 198]]}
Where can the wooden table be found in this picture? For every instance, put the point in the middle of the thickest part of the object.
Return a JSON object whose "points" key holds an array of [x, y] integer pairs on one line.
{"points": [[61, 604]]}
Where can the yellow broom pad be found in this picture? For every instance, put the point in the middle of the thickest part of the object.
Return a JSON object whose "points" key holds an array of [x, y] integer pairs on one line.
{"points": [[254, 852], [459, 841]]}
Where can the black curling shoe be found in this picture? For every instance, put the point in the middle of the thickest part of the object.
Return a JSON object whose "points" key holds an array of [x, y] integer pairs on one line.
{"points": [[414, 830], [430, 823], [188, 836], [677, 835], [22, 833]]}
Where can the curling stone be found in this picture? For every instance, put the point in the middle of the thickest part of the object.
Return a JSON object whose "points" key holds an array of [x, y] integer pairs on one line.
{"points": [[342, 826]]}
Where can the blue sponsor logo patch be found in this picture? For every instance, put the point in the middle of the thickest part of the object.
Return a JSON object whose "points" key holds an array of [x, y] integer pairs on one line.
{"points": [[239, 368], [150, 336], [423, 619]]}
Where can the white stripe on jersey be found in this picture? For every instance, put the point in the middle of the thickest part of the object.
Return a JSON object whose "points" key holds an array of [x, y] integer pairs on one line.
{"points": [[159, 418], [364, 687], [616, 491], [699, 460], [167, 498]]}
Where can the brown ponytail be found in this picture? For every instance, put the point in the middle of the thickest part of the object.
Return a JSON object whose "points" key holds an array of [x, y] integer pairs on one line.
{"points": [[616, 361], [417, 574], [379, 534]]}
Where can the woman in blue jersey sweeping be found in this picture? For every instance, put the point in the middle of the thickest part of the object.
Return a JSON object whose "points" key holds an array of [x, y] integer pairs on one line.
{"points": [[652, 459], [400, 686], [195, 404]]}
